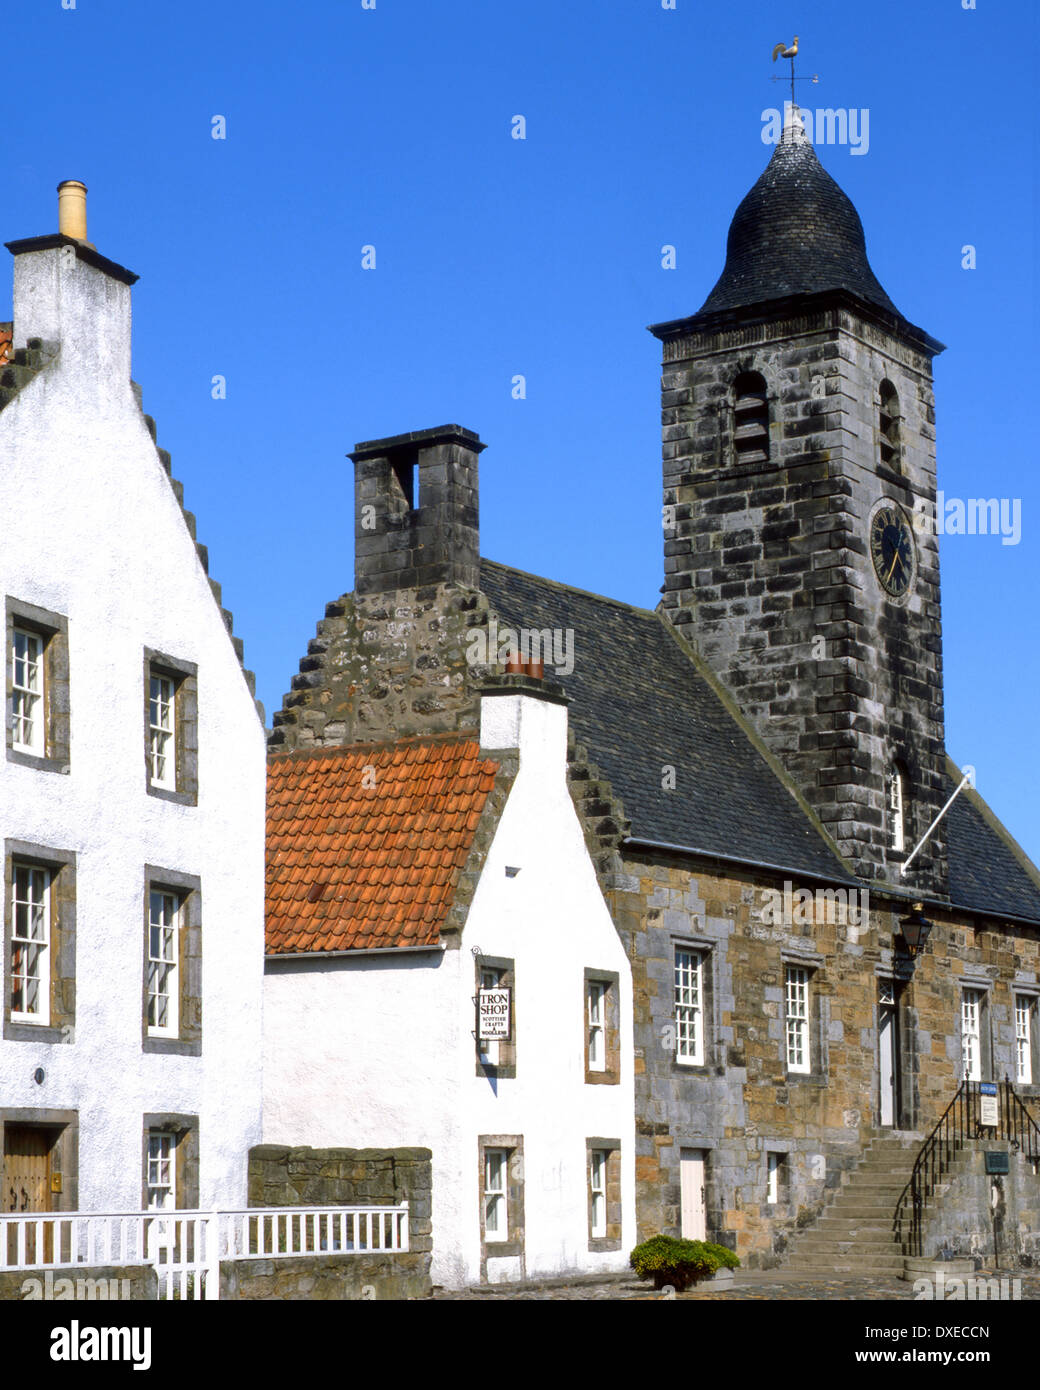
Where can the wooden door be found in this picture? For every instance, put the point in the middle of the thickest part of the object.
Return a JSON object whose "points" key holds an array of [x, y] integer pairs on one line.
{"points": [[27, 1184], [691, 1185]]}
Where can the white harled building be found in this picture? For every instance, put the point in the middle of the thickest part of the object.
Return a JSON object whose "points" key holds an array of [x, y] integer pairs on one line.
{"points": [[131, 784]]}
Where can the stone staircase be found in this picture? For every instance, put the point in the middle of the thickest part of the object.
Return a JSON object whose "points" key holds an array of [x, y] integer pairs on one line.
{"points": [[853, 1236]]}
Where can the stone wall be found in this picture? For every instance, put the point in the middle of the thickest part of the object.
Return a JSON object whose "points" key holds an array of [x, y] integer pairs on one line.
{"points": [[993, 1219], [743, 1102], [287, 1177], [328, 1278], [84, 1284]]}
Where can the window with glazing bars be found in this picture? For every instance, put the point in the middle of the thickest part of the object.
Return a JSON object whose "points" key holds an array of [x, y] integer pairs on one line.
{"points": [[162, 744], [796, 994], [971, 1033], [597, 1026], [162, 1171], [30, 944], [163, 930], [27, 692], [689, 1007], [598, 1192], [1025, 1007], [496, 1214]]}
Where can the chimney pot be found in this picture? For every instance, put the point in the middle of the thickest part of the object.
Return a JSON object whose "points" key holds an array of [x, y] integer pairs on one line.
{"points": [[72, 209]]}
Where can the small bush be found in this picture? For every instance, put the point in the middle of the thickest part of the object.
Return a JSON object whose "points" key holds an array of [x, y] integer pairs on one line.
{"points": [[679, 1262]]}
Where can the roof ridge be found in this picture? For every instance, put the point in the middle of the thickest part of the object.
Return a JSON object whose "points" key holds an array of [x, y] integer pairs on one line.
{"points": [[571, 588], [449, 736]]}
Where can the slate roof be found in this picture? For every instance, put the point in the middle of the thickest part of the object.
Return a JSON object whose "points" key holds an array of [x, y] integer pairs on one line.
{"points": [[352, 866], [795, 232], [988, 870], [639, 703]]}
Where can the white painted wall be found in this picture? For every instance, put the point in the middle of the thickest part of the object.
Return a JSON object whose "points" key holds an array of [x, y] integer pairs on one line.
{"points": [[380, 1051], [93, 531]]}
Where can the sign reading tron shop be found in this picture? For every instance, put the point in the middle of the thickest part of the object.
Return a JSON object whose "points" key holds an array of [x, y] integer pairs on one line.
{"points": [[492, 1014]]}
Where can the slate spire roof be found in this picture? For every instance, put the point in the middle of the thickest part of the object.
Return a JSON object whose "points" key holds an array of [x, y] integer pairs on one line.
{"points": [[796, 232]]}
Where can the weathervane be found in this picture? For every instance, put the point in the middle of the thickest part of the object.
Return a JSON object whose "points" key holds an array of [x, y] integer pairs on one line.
{"points": [[781, 51]]}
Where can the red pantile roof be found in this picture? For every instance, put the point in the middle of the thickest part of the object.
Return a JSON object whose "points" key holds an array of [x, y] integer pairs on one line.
{"points": [[365, 844], [6, 342]]}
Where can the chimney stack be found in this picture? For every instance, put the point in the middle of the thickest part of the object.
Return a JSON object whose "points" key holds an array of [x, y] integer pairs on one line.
{"points": [[415, 513]]}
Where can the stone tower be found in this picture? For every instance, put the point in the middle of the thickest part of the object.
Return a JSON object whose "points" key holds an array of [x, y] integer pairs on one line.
{"points": [[799, 488]]}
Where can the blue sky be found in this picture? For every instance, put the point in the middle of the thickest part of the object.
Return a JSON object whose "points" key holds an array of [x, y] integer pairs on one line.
{"points": [[495, 257]]}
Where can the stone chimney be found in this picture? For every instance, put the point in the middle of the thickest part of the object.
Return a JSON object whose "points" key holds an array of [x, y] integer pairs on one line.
{"points": [[70, 298], [416, 518]]}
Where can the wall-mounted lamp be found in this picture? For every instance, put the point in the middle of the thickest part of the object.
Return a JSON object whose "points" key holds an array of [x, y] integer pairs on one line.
{"points": [[915, 930]]}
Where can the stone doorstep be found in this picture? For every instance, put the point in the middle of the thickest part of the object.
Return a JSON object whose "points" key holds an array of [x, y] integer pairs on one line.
{"points": [[575, 1281]]}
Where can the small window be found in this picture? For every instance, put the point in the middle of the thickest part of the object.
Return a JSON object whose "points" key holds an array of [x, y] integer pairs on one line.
{"points": [[897, 788], [163, 963], [171, 728], [888, 425], [775, 1165], [27, 692], [162, 746], [37, 687], [1025, 1030], [496, 1198], [598, 1193], [750, 419], [972, 1005], [689, 1007], [796, 995], [162, 1171], [30, 944], [597, 1026]]}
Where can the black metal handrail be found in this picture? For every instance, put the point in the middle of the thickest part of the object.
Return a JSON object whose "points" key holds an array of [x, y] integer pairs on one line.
{"points": [[960, 1122]]}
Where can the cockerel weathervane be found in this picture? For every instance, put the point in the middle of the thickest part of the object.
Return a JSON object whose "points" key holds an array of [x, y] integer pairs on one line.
{"points": [[790, 51]]}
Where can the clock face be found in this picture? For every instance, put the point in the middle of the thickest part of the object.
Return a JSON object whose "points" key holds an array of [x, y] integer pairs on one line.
{"points": [[892, 550]]}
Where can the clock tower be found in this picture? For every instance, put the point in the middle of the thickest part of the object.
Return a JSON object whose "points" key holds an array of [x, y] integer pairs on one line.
{"points": [[799, 490]]}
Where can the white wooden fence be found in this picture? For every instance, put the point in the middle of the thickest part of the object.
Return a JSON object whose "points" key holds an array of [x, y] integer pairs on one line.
{"points": [[186, 1247]]}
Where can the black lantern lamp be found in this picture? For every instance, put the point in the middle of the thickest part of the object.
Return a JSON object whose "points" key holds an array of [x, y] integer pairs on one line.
{"points": [[915, 930]]}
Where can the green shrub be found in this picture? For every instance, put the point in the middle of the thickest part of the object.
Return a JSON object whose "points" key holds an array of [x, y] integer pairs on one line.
{"points": [[679, 1262]]}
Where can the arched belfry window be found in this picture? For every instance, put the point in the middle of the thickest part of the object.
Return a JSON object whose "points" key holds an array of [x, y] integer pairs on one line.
{"points": [[898, 793], [888, 424], [750, 418]]}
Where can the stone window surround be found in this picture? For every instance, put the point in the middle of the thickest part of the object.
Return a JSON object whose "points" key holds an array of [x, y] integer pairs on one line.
{"points": [[705, 947], [188, 889], [186, 1177], [811, 961], [612, 1240], [505, 1068], [611, 1072], [64, 1154], [61, 865], [184, 675], [514, 1146], [54, 629]]}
